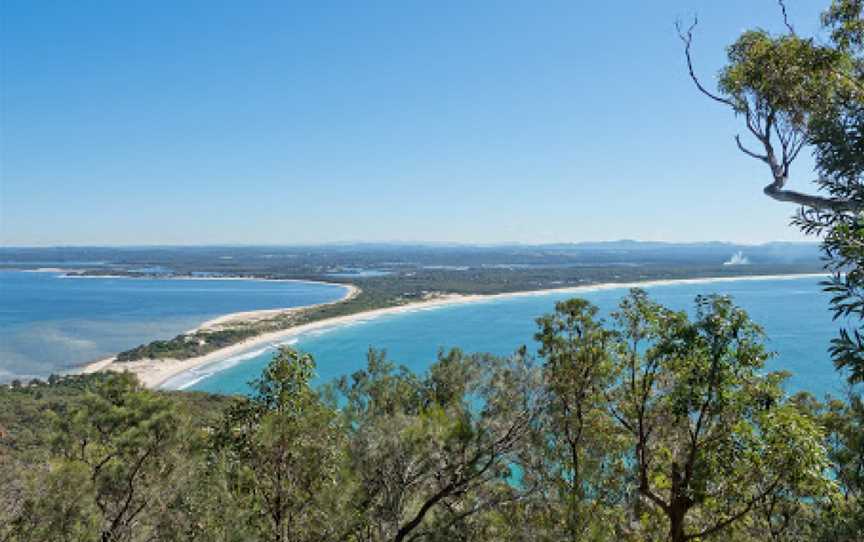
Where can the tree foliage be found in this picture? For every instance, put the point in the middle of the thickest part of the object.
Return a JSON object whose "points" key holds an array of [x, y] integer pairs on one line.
{"points": [[433, 453], [654, 425], [111, 454], [282, 454], [711, 435], [580, 456], [792, 92]]}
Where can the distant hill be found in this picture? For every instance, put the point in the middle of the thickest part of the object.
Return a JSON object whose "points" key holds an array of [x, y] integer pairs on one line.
{"points": [[310, 259]]}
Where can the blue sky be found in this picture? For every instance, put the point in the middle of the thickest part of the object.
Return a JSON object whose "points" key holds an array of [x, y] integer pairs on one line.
{"points": [[205, 122]]}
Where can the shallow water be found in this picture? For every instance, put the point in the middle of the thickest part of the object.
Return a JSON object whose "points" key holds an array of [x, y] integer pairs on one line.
{"points": [[794, 313], [50, 323]]}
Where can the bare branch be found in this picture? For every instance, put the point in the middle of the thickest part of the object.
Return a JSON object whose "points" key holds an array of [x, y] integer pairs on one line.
{"points": [[786, 17], [687, 39], [763, 123], [791, 142], [748, 152], [754, 127], [809, 200], [796, 149]]}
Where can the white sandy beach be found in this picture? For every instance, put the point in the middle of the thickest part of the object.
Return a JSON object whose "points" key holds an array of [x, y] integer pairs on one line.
{"points": [[154, 373]]}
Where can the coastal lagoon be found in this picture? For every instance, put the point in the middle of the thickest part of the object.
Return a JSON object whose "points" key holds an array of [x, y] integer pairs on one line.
{"points": [[50, 323], [793, 311]]}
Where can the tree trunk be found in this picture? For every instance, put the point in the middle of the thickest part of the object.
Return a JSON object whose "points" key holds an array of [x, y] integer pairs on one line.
{"points": [[676, 523], [679, 503]]}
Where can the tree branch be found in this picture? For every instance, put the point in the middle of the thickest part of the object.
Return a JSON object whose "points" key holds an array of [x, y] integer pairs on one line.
{"points": [[735, 517], [808, 200], [748, 152], [786, 17], [687, 38], [762, 122]]}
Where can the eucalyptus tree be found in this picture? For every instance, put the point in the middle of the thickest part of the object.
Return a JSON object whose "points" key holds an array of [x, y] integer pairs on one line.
{"points": [[431, 453], [580, 465], [281, 452], [712, 437], [841, 519], [791, 92], [113, 458]]}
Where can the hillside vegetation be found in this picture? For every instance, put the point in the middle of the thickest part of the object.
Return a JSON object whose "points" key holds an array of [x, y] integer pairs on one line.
{"points": [[654, 426]]}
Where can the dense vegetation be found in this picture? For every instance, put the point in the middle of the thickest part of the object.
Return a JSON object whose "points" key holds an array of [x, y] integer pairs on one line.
{"points": [[189, 345], [408, 287], [653, 426]]}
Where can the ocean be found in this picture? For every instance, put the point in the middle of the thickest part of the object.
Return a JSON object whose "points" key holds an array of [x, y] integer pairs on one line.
{"points": [[793, 312], [50, 323]]}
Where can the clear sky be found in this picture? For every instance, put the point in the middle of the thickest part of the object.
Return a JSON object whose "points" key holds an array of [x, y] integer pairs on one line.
{"points": [[193, 122]]}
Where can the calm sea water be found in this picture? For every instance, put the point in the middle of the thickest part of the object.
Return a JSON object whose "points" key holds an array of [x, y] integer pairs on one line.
{"points": [[50, 323], [793, 312]]}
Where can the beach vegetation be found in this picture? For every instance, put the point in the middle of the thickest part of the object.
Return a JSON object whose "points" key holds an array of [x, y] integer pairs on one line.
{"points": [[400, 289]]}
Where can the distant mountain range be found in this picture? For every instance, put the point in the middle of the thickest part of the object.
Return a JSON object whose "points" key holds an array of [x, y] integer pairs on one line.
{"points": [[313, 259]]}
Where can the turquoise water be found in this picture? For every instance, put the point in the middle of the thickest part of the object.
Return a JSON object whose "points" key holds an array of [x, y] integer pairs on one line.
{"points": [[794, 313], [50, 323]]}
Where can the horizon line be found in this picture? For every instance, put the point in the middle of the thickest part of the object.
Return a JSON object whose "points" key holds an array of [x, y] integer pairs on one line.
{"points": [[402, 243]]}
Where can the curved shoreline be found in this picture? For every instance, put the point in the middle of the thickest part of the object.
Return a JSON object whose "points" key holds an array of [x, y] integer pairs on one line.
{"points": [[254, 315], [154, 373], [249, 316]]}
